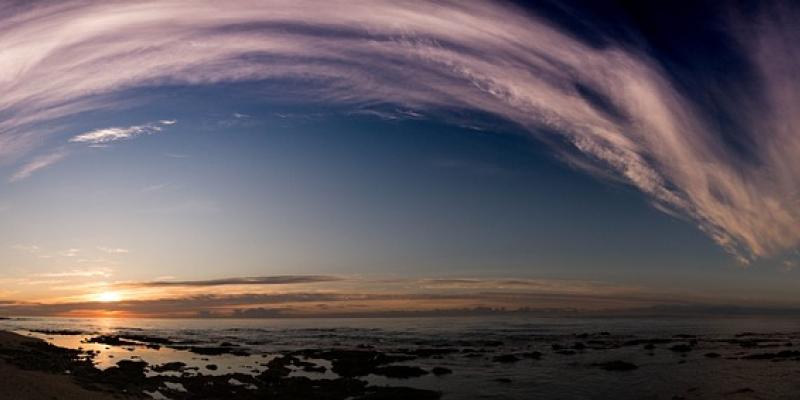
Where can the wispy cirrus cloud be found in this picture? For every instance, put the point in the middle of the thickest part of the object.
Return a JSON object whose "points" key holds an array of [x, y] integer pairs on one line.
{"points": [[610, 110], [38, 163]]}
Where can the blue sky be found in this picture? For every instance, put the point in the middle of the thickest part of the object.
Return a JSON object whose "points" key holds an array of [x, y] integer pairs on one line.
{"points": [[260, 157]]}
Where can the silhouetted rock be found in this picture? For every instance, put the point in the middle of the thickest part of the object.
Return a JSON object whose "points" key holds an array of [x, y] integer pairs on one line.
{"points": [[110, 340], [681, 348], [65, 332], [352, 363], [616, 365], [398, 393], [532, 355], [506, 358], [215, 351], [428, 352], [770, 356], [400, 371], [741, 391], [170, 366]]}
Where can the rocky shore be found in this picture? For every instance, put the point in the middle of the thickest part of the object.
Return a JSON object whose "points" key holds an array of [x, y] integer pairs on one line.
{"points": [[113, 366], [34, 369]]}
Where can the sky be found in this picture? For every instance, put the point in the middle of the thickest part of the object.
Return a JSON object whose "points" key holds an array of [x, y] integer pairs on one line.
{"points": [[274, 158]]}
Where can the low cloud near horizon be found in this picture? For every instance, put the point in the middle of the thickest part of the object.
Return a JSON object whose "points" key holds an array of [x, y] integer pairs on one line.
{"points": [[320, 296]]}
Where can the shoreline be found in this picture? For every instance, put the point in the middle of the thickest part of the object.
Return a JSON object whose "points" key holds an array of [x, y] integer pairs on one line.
{"points": [[180, 362], [35, 369], [30, 370]]}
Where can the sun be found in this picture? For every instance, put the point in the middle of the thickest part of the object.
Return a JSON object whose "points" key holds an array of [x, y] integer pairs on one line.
{"points": [[107, 297]]}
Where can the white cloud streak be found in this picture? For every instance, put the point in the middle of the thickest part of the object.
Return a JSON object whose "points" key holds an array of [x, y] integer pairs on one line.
{"points": [[113, 134], [67, 57]]}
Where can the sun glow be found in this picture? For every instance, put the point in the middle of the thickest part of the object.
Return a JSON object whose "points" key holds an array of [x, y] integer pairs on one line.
{"points": [[108, 297]]}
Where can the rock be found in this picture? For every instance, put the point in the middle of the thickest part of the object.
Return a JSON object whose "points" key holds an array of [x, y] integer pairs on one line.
{"points": [[64, 332], [314, 368], [212, 367], [535, 355], [110, 340], [397, 393], [428, 352], [506, 358], [439, 371], [352, 363], [740, 391], [127, 375], [770, 356], [148, 339], [176, 366], [616, 365], [681, 348], [215, 351], [400, 371]]}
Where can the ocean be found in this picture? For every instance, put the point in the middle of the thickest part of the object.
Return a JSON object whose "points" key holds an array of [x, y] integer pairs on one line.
{"points": [[475, 357]]}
